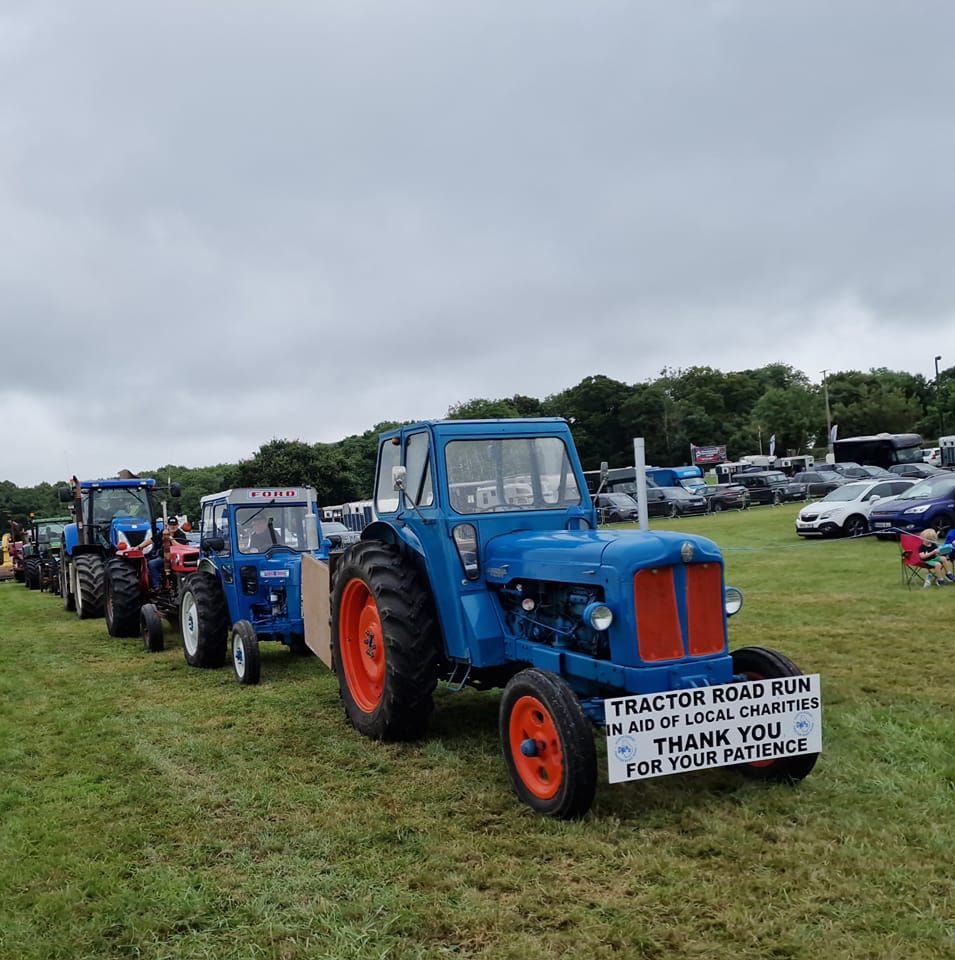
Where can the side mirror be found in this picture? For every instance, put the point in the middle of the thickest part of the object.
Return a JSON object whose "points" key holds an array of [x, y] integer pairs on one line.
{"points": [[874, 497], [215, 544], [175, 491], [399, 476], [65, 494]]}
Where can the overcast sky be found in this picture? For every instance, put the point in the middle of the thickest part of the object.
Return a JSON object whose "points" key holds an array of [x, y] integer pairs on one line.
{"points": [[224, 222]]}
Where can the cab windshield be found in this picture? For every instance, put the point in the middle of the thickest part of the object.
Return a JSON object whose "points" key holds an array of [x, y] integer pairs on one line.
{"points": [[49, 532], [506, 475], [110, 502], [289, 525]]}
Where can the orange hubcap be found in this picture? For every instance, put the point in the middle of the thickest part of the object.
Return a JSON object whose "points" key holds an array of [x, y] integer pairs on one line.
{"points": [[531, 730], [361, 645]]}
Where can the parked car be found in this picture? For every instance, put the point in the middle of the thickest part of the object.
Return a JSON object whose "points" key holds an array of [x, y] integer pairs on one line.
{"points": [[820, 482], [339, 534], [844, 512], [770, 486], [846, 468], [726, 496], [877, 473], [615, 507], [928, 503], [921, 471], [675, 502]]}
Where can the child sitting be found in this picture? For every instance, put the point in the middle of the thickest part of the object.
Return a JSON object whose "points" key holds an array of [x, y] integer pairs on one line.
{"points": [[940, 567]]}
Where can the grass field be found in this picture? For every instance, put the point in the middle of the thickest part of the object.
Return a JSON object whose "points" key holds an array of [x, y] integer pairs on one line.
{"points": [[149, 810]]}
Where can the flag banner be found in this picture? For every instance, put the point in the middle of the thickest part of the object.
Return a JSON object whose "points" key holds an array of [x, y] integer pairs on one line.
{"points": [[772, 445], [833, 433], [704, 455]]}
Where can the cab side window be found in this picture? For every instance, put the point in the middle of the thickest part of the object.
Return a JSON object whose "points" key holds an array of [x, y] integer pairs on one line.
{"points": [[386, 497], [418, 485]]}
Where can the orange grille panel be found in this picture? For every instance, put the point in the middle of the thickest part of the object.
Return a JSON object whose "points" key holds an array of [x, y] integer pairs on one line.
{"points": [[658, 621], [704, 608]]}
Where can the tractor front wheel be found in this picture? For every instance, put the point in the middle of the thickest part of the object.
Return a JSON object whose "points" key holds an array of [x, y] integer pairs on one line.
{"points": [[32, 574], [150, 628], [203, 620], [548, 745], [385, 640], [246, 661], [124, 598], [761, 663], [90, 582]]}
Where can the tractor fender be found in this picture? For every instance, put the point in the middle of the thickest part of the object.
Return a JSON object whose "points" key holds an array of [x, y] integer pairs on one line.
{"points": [[392, 533], [207, 566], [71, 538]]}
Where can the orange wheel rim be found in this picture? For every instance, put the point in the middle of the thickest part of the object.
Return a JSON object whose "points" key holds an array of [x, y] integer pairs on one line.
{"points": [[361, 645], [758, 763], [542, 773]]}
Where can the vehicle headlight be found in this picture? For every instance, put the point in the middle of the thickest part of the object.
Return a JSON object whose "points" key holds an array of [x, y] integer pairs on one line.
{"points": [[920, 509], [598, 615], [824, 516], [732, 601]]}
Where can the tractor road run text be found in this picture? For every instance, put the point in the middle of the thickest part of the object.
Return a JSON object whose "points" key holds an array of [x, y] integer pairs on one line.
{"points": [[756, 721]]}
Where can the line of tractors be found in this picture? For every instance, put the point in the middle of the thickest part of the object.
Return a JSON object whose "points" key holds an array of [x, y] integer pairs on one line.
{"points": [[483, 567]]}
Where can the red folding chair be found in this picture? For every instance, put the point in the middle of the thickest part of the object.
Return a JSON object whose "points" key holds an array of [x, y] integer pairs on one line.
{"points": [[913, 567]]}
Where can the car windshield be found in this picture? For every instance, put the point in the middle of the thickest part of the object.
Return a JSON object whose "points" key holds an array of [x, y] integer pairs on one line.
{"points": [[678, 493], [330, 527], [288, 525], [929, 489], [848, 491], [619, 500], [510, 474], [777, 478]]}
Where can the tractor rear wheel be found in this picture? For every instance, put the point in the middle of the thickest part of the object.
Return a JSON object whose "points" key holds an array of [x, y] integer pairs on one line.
{"points": [[204, 621], [31, 573], [385, 640], [246, 661], [548, 745], [124, 598], [761, 663], [90, 582], [150, 628]]}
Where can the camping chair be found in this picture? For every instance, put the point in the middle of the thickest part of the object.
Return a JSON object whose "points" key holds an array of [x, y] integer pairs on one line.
{"points": [[912, 566]]}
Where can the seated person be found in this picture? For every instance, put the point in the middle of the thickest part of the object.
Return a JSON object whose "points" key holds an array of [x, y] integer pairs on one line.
{"points": [[933, 556], [156, 563], [260, 535]]}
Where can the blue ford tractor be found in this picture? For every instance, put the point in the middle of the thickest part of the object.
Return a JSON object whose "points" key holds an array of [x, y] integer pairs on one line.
{"points": [[247, 585], [485, 567], [107, 546]]}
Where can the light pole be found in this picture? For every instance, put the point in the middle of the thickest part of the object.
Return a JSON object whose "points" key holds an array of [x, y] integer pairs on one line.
{"points": [[938, 399], [825, 393]]}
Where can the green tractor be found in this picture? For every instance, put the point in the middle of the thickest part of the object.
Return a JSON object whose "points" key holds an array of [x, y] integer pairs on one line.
{"points": [[42, 553]]}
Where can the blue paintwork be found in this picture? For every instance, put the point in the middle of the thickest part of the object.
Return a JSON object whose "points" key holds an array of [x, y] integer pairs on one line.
{"points": [[71, 538], [547, 545]]}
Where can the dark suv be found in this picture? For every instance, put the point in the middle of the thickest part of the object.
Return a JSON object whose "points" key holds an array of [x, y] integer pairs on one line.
{"points": [[770, 486], [615, 507], [820, 482]]}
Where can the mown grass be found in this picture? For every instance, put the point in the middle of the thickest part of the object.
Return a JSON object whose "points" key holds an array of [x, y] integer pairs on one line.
{"points": [[149, 810]]}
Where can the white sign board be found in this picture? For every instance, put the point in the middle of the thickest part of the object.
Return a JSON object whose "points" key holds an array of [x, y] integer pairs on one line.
{"points": [[655, 734]]}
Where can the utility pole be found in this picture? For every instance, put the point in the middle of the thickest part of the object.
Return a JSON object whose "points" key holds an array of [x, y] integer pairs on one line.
{"points": [[825, 393], [938, 399]]}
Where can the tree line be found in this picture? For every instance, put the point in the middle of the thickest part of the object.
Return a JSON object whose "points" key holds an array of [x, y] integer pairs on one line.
{"points": [[699, 405]]}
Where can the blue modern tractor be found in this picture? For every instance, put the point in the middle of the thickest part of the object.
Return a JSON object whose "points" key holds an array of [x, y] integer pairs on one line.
{"points": [[107, 546], [485, 567], [247, 586]]}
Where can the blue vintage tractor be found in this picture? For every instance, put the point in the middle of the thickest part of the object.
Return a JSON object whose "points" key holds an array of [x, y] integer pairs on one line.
{"points": [[247, 586], [484, 567], [107, 546]]}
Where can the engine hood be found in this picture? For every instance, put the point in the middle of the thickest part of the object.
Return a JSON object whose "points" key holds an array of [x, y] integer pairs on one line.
{"points": [[576, 555]]}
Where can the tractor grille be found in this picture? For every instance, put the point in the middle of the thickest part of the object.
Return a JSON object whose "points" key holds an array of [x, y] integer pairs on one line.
{"points": [[135, 537], [660, 594]]}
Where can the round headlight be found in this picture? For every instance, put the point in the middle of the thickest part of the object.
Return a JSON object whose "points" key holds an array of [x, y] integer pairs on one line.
{"points": [[732, 601], [599, 616]]}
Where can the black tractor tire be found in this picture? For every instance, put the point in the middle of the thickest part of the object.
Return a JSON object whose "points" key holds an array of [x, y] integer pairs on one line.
{"points": [[69, 600], [548, 745], [761, 663], [150, 628], [32, 573], [385, 642], [19, 575], [246, 658], [124, 598], [855, 526], [203, 621], [90, 585]]}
